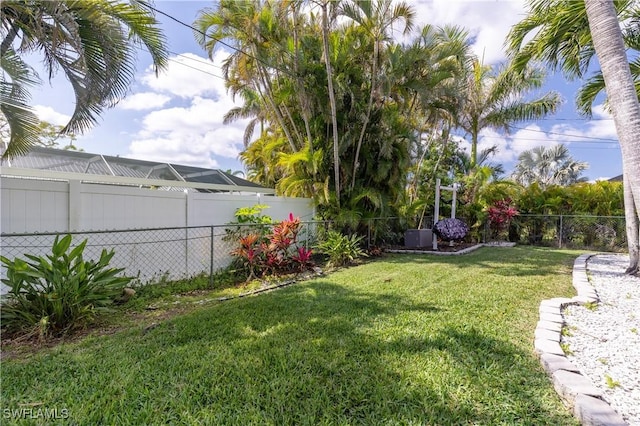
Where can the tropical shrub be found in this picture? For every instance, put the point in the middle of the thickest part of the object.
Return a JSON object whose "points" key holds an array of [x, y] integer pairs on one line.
{"points": [[341, 249], [500, 215], [276, 252], [249, 220], [54, 294], [451, 229]]}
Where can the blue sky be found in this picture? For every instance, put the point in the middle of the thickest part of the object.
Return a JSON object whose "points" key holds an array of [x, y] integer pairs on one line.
{"points": [[177, 117]]}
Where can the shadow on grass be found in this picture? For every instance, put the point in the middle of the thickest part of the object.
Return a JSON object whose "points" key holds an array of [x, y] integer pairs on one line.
{"points": [[317, 353]]}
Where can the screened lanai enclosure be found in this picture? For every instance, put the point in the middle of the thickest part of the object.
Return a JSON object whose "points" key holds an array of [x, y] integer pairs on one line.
{"points": [[68, 161]]}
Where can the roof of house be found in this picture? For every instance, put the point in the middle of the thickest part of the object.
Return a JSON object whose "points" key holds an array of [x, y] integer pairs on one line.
{"points": [[616, 179], [60, 160]]}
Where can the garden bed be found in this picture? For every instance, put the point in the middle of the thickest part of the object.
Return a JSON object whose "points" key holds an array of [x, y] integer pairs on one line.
{"points": [[443, 248]]}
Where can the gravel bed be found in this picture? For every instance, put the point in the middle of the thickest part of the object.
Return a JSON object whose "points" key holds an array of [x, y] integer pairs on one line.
{"points": [[604, 339]]}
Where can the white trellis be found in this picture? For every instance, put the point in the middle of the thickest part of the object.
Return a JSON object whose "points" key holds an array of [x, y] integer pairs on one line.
{"points": [[436, 215]]}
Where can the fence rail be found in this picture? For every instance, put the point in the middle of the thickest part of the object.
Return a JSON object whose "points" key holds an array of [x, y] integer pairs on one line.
{"points": [[180, 252]]}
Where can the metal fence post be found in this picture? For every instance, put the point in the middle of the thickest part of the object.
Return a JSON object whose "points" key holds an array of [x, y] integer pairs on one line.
{"points": [[211, 257], [560, 234], [306, 240]]}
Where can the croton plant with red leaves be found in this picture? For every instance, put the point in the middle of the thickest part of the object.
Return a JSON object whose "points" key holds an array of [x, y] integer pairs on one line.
{"points": [[500, 215], [280, 253]]}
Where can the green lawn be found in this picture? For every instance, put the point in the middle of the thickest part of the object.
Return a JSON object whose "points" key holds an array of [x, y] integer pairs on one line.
{"points": [[405, 339]]}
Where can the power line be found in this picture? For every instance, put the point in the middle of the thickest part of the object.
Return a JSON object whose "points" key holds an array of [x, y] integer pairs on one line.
{"points": [[203, 62], [552, 140], [197, 69], [219, 41], [575, 119], [565, 134]]}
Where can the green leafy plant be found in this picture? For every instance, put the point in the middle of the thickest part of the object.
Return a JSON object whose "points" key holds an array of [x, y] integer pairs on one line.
{"points": [[592, 306], [341, 249], [249, 220], [566, 349], [53, 294], [611, 383]]}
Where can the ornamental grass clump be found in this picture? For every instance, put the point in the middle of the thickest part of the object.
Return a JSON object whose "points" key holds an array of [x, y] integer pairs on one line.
{"points": [[48, 296], [451, 229]]}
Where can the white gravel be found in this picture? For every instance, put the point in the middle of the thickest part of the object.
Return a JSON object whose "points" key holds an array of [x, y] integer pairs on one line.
{"points": [[605, 340]]}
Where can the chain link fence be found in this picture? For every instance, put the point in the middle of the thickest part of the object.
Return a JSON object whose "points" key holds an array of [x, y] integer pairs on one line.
{"points": [[602, 233], [151, 255]]}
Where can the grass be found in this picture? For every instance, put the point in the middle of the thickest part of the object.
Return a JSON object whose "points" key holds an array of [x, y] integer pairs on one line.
{"points": [[399, 340]]}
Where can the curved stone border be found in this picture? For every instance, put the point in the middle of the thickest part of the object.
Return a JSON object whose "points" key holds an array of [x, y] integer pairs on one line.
{"points": [[439, 253], [577, 391]]}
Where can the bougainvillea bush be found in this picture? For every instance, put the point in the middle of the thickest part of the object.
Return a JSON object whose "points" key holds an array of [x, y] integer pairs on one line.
{"points": [[500, 215], [451, 229], [276, 253]]}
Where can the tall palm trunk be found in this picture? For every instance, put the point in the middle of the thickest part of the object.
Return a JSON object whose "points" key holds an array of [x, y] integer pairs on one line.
{"points": [[633, 230], [623, 100], [332, 99], [367, 117]]}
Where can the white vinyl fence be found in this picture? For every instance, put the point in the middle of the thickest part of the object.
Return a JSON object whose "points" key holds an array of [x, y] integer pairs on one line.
{"points": [[153, 232]]}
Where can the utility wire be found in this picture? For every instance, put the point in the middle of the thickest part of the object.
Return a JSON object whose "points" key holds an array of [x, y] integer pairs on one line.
{"points": [[197, 69], [575, 119], [220, 41], [203, 62], [565, 134]]}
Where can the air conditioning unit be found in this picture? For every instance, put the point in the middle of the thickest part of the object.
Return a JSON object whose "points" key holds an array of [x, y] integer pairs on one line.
{"points": [[414, 238]]}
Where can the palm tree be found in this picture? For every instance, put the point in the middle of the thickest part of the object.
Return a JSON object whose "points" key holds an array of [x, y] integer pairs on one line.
{"points": [[630, 20], [497, 100], [376, 18], [548, 166], [253, 108], [252, 61], [566, 36], [324, 5], [93, 43]]}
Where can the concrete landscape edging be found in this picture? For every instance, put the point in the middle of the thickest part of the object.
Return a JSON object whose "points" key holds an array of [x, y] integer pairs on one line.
{"points": [[576, 391]]}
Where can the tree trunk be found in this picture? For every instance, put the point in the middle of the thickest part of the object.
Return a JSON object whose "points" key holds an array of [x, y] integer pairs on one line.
{"points": [[633, 233], [623, 100], [374, 70], [332, 100]]}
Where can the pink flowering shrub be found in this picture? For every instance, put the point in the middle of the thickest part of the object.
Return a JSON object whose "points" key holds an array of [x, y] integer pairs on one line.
{"points": [[451, 229]]}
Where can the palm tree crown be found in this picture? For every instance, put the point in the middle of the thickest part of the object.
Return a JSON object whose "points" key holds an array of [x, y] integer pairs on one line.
{"points": [[548, 166], [93, 42]]}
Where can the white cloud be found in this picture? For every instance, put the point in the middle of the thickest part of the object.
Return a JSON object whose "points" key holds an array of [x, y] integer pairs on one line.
{"points": [[145, 100], [50, 115], [488, 22], [171, 150], [189, 75], [193, 133]]}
